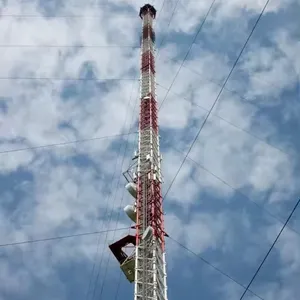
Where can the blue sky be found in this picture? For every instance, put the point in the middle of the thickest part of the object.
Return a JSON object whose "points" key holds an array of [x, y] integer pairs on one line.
{"points": [[240, 181]]}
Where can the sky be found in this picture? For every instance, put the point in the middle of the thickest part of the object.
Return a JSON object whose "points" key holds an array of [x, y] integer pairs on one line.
{"points": [[70, 71]]}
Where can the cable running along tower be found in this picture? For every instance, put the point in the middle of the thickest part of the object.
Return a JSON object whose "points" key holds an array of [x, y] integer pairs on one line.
{"points": [[146, 266]]}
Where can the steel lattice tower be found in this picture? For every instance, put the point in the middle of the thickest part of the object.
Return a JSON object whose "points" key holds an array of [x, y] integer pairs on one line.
{"points": [[150, 266], [147, 266]]}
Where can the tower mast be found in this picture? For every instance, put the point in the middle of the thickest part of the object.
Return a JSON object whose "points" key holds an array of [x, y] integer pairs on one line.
{"points": [[150, 266], [146, 267]]}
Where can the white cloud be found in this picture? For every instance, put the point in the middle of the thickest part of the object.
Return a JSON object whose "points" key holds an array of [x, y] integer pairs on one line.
{"points": [[241, 160], [205, 231], [10, 163]]}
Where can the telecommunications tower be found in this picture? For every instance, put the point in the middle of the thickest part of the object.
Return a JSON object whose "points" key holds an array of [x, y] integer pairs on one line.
{"points": [[146, 266]]}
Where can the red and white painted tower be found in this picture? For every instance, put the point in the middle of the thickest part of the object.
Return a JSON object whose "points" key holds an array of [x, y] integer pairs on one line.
{"points": [[146, 267], [150, 267]]}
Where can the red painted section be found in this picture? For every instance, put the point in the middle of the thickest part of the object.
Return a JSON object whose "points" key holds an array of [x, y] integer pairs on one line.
{"points": [[154, 209], [148, 33], [156, 220], [148, 62], [148, 114], [148, 119]]}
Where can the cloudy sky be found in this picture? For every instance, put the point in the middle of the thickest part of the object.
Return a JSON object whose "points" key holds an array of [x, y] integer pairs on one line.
{"points": [[70, 70]]}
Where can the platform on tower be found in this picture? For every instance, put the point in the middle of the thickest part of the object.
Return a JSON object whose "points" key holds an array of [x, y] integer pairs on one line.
{"points": [[147, 8], [127, 262]]}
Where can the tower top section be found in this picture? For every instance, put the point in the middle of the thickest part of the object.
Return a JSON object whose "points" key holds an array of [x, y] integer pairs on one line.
{"points": [[147, 8]]}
